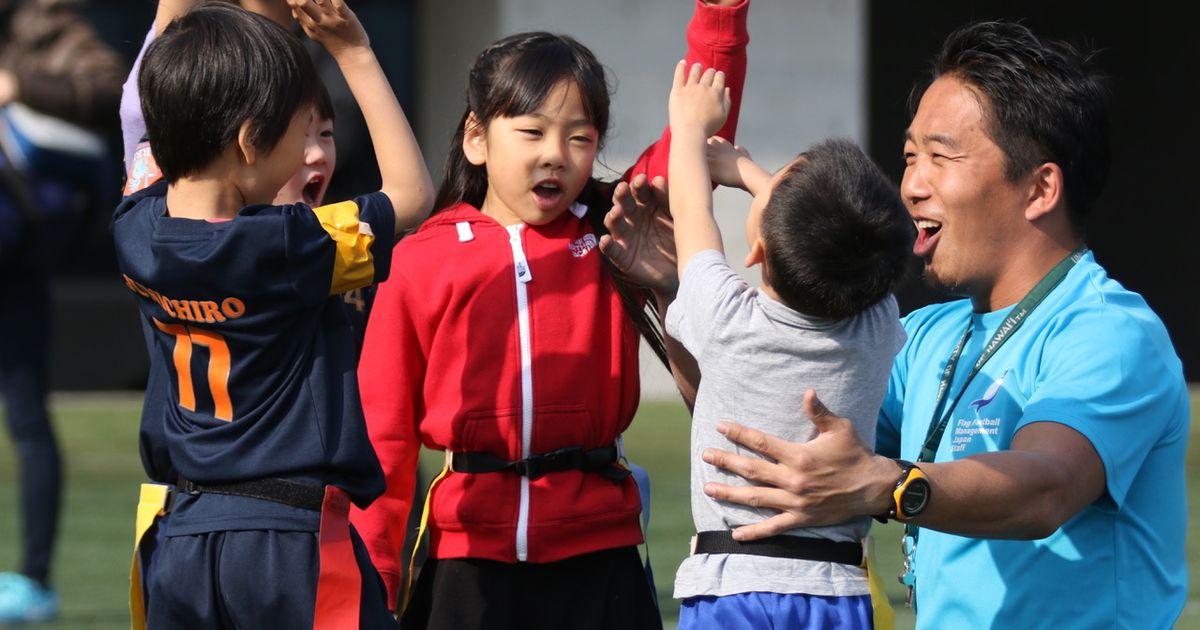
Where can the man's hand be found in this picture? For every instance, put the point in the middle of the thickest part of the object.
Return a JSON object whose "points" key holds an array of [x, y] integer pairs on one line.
{"points": [[330, 23], [641, 241], [825, 481]]}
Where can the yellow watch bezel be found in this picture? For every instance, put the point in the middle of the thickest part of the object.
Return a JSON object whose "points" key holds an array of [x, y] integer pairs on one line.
{"points": [[911, 473]]}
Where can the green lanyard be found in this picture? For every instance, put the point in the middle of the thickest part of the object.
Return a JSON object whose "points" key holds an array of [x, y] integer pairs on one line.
{"points": [[1012, 322], [937, 427]]}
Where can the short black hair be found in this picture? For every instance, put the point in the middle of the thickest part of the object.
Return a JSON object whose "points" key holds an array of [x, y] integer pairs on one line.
{"points": [[837, 236], [1043, 101], [323, 103], [213, 69]]}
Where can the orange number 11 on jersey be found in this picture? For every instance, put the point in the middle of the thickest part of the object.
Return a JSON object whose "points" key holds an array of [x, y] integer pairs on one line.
{"points": [[218, 367]]}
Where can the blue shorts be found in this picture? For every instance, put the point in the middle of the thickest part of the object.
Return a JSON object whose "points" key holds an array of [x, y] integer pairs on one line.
{"points": [[793, 611]]}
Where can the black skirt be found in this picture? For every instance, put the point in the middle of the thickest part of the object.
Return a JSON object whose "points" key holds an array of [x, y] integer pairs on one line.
{"points": [[604, 590]]}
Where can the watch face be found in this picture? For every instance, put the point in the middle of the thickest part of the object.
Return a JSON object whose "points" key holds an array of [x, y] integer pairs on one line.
{"points": [[915, 497]]}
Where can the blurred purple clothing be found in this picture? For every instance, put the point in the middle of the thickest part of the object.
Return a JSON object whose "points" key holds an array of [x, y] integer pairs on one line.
{"points": [[133, 125]]}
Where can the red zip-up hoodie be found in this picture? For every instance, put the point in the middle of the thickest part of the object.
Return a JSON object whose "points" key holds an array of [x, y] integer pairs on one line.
{"points": [[512, 341]]}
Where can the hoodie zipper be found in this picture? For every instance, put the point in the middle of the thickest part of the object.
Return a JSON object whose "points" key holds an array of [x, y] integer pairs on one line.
{"points": [[523, 275]]}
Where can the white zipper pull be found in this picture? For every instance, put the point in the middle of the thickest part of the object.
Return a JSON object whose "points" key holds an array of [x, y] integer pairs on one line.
{"points": [[520, 264]]}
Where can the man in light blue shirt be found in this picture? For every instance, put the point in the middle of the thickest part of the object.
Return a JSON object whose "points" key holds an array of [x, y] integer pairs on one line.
{"points": [[1043, 419]]}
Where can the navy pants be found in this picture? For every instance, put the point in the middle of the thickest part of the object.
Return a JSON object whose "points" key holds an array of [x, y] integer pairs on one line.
{"points": [[249, 579], [24, 364]]}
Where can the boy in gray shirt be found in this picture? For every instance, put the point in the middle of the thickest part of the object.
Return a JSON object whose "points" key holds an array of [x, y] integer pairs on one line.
{"points": [[832, 236]]}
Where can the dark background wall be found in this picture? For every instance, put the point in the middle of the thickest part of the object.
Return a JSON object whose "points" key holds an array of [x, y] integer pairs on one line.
{"points": [[1144, 228]]}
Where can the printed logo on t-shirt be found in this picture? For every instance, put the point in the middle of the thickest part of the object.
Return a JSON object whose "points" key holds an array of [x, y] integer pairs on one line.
{"points": [[581, 246], [144, 170], [966, 430]]}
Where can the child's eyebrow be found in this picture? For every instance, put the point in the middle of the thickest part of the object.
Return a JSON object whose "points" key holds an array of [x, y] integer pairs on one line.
{"points": [[579, 122]]}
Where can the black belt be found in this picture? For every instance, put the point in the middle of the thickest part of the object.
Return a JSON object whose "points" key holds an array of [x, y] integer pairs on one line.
{"points": [[794, 547], [283, 491], [597, 460]]}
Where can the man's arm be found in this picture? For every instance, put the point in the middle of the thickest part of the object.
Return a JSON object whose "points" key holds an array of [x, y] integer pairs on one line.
{"points": [[716, 38], [402, 169], [1050, 473]]}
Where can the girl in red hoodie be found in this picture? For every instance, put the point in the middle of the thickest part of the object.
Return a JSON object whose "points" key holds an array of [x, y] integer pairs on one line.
{"points": [[506, 339]]}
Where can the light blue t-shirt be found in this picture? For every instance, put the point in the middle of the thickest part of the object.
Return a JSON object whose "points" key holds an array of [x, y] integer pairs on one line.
{"points": [[1094, 357]]}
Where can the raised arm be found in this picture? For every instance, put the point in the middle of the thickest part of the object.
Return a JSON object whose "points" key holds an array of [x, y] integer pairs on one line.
{"points": [[716, 38], [402, 169], [730, 165], [168, 10], [698, 106]]}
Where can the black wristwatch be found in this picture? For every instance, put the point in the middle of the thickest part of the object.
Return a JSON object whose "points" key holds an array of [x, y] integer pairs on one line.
{"points": [[911, 496]]}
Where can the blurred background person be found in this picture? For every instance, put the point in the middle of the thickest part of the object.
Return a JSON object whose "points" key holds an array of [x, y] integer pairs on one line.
{"points": [[59, 89]]}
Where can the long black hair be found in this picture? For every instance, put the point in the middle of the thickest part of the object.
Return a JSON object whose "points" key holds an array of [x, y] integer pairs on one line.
{"points": [[512, 77]]}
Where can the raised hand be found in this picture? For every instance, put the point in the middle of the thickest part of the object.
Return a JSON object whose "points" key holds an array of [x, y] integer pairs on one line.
{"points": [[641, 239], [723, 158], [330, 23], [699, 99]]}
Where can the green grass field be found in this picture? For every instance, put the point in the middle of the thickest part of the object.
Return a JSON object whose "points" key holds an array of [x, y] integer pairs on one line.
{"points": [[99, 436]]}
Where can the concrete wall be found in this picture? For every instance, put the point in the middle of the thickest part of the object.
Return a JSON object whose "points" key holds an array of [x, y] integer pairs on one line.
{"points": [[804, 82]]}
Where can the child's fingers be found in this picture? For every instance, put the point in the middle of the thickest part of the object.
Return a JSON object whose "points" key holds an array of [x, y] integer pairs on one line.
{"points": [[304, 18], [695, 74], [706, 79], [622, 199], [718, 80], [642, 194], [680, 73], [614, 250], [310, 12], [728, 100]]}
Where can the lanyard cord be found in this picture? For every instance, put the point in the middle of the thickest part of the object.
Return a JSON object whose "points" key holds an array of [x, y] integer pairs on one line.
{"points": [[1018, 315]]}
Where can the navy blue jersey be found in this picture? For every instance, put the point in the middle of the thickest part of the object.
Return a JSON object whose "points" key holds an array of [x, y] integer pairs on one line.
{"points": [[256, 361], [358, 309]]}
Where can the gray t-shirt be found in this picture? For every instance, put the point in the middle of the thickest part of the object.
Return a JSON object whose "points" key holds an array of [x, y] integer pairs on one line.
{"points": [[757, 357]]}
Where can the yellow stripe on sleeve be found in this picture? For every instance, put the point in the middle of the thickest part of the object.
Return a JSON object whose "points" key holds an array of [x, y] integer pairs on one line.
{"points": [[353, 264]]}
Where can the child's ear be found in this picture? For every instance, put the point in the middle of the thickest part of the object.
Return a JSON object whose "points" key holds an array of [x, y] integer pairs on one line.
{"points": [[757, 253], [474, 143], [245, 149]]}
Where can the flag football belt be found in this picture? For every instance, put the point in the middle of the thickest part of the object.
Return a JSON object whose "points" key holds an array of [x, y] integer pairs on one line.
{"points": [[285, 491], [794, 547], [598, 460]]}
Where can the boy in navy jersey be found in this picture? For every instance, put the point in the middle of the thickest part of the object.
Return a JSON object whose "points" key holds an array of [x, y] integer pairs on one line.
{"points": [[263, 423]]}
